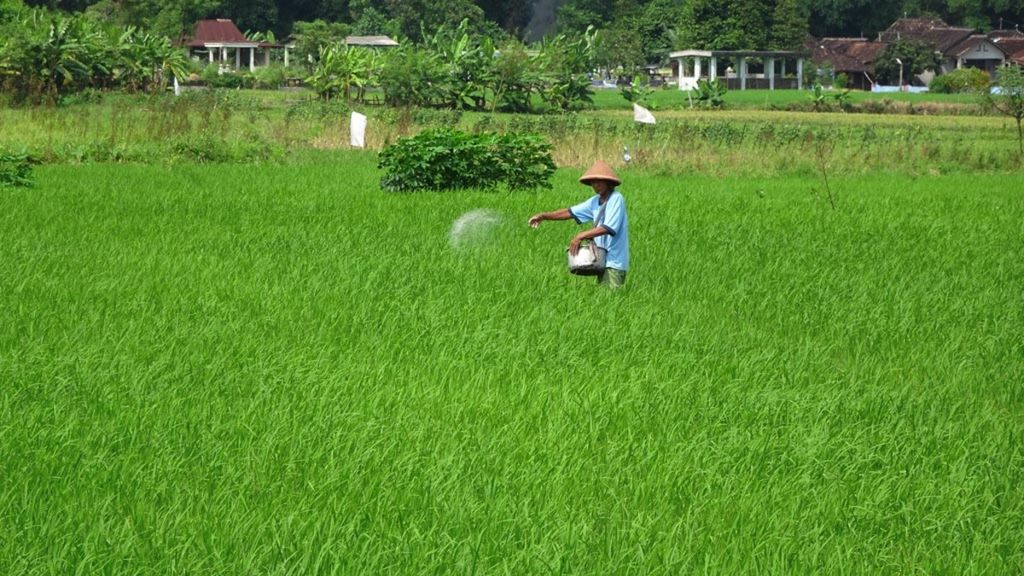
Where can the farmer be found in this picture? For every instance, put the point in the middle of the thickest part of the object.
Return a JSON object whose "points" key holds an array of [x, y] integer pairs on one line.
{"points": [[607, 210]]}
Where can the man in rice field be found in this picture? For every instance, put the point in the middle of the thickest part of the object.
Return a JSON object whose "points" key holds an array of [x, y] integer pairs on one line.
{"points": [[607, 210]]}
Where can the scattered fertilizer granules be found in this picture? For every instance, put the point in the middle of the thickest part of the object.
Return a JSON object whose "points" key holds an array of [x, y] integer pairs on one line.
{"points": [[473, 227]]}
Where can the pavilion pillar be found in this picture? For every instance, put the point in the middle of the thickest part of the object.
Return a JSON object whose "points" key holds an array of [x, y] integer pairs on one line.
{"points": [[210, 54], [713, 73], [238, 58], [799, 73], [682, 73], [252, 59], [696, 69], [224, 55], [743, 73], [769, 69], [783, 65], [285, 56]]}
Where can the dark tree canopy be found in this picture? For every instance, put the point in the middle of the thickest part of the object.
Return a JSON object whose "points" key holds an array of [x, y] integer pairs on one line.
{"points": [[658, 25]]}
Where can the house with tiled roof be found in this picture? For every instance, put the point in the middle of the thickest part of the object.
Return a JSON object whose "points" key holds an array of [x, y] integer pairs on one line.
{"points": [[957, 47], [1011, 42], [220, 41], [854, 57]]}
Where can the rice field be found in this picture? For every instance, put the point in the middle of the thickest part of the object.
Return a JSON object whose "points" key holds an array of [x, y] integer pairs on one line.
{"points": [[280, 369]]}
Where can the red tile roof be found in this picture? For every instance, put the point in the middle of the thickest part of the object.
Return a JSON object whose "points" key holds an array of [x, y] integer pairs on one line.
{"points": [[1014, 47], [935, 32], [847, 54], [1005, 34], [216, 31]]}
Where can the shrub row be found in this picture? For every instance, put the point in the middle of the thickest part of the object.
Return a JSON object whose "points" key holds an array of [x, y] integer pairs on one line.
{"points": [[446, 159]]}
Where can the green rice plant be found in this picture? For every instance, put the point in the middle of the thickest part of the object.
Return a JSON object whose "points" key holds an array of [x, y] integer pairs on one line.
{"points": [[281, 369]]}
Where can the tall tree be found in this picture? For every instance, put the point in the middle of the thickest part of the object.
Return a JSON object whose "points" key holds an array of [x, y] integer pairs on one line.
{"points": [[852, 18], [576, 15], [789, 25], [726, 24], [511, 15], [416, 16], [655, 26], [909, 56]]}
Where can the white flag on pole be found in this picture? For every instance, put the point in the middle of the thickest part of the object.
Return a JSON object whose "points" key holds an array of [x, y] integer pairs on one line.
{"points": [[358, 130], [642, 115]]}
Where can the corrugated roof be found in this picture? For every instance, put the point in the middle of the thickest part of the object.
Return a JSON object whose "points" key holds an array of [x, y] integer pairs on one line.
{"points": [[217, 31], [369, 41]]}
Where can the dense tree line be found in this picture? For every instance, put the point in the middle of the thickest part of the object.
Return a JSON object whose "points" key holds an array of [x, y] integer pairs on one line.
{"points": [[653, 24], [632, 32]]}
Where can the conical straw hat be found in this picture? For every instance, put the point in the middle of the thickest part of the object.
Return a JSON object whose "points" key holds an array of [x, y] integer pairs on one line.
{"points": [[600, 171]]}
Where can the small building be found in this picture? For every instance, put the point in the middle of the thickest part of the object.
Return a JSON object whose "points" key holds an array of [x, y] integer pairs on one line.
{"points": [[957, 47], [769, 68], [854, 57], [370, 41], [222, 42]]}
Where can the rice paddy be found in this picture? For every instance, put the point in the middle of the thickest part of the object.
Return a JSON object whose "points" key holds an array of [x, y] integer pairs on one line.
{"points": [[280, 369]]}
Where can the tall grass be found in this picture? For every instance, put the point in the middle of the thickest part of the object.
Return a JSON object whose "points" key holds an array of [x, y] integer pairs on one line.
{"points": [[281, 369], [671, 98], [226, 127]]}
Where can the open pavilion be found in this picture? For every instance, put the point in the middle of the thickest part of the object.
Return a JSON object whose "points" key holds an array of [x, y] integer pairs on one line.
{"points": [[741, 79]]}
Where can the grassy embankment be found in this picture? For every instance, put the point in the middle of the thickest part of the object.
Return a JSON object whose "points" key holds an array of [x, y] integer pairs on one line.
{"points": [[250, 127]]}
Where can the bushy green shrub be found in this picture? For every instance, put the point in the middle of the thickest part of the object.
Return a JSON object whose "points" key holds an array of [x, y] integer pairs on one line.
{"points": [[964, 80], [269, 77], [214, 78], [445, 159], [15, 169]]}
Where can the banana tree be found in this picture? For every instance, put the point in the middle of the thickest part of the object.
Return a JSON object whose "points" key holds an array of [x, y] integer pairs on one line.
{"points": [[66, 56], [468, 65], [339, 70], [566, 62]]}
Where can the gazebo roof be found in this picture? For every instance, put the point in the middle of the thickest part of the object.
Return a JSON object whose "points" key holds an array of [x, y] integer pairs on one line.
{"points": [[219, 31], [738, 54]]}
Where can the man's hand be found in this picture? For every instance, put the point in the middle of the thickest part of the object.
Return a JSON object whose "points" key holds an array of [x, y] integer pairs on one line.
{"points": [[574, 245], [535, 220]]}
